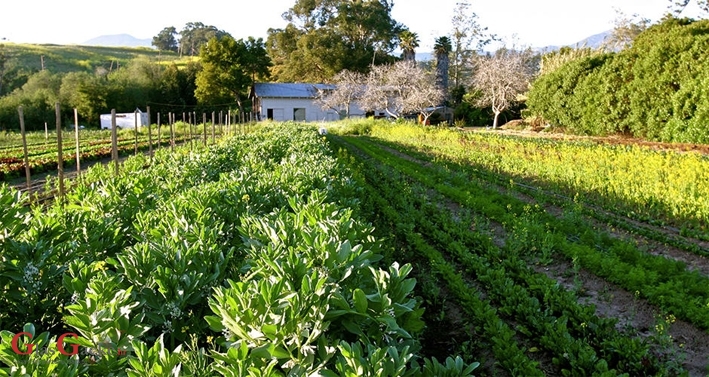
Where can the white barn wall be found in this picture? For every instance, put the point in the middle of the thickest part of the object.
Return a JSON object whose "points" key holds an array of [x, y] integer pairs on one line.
{"points": [[279, 100], [286, 106]]}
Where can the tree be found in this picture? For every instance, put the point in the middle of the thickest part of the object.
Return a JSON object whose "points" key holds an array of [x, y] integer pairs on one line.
{"points": [[324, 37], [165, 40], [501, 78], [195, 35], [626, 29], [677, 6], [3, 62], [86, 93], [467, 38], [176, 88], [229, 67], [408, 41], [442, 49], [348, 87], [256, 62], [400, 89]]}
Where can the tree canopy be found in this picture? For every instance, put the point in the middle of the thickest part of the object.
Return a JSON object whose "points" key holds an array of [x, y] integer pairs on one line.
{"points": [[229, 67], [656, 89], [324, 37], [678, 5], [499, 79], [400, 89], [165, 40], [195, 35]]}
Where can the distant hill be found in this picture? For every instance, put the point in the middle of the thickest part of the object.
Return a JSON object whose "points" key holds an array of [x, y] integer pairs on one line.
{"points": [[594, 41], [119, 40]]}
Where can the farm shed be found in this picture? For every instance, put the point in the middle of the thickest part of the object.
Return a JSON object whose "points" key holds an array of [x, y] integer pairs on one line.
{"points": [[292, 101], [125, 120]]}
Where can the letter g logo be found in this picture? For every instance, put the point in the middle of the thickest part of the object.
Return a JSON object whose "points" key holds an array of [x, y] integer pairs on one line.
{"points": [[15, 344]]}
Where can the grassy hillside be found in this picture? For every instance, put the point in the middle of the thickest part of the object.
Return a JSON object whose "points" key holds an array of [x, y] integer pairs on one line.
{"points": [[70, 58]]}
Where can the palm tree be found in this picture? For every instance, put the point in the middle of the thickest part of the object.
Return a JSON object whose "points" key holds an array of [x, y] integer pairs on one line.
{"points": [[408, 41], [442, 48]]}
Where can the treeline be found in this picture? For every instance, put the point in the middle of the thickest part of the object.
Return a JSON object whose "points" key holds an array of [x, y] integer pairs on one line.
{"points": [[140, 83], [656, 89]]}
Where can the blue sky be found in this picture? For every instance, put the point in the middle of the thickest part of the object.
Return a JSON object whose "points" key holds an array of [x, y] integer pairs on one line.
{"points": [[530, 23]]}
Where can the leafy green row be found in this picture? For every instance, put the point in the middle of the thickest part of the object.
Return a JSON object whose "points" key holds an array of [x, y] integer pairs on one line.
{"points": [[255, 236], [544, 196], [393, 206], [580, 340], [662, 281]]}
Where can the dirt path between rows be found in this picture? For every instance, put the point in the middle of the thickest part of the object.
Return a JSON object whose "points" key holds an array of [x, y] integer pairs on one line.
{"points": [[688, 345]]}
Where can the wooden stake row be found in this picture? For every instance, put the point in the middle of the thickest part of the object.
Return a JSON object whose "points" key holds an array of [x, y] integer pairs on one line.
{"points": [[114, 138]]}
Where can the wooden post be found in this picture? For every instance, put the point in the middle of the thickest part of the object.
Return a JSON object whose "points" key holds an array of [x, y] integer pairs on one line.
{"points": [[60, 152], [46, 133], [189, 124], [150, 136], [172, 132], [24, 145], [212, 127], [228, 122], [114, 140], [76, 137], [204, 124], [159, 132], [135, 130], [221, 123]]}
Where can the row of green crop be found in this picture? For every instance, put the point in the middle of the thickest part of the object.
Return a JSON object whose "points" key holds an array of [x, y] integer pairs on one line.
{"points": [[12, 143], [657, 187], [391, 208], [551, 197], [44, 158], [39, 139], [238, 260], [579, 340], [664, 282]]}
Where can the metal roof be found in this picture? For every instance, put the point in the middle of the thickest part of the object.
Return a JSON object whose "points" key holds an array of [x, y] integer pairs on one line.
{"points": [[289, 90]]}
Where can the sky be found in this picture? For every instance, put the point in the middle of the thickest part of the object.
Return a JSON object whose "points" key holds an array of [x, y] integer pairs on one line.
{"points": [[520, 22]]}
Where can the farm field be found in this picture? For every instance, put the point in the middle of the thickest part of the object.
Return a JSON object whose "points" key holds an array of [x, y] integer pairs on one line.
{"points": [[71, 58], [94, 145], [378, 250], [246, 258], [541, 265]]}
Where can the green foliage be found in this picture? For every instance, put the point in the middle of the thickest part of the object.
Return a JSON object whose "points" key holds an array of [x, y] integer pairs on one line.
{"points": [[195, 35], [325, 37], [229, 67], [655, 89], [134, 85], [165, 40]]}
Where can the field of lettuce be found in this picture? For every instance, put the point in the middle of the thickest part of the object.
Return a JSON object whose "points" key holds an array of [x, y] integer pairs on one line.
{"points": [[378, 250], [249, 258]]}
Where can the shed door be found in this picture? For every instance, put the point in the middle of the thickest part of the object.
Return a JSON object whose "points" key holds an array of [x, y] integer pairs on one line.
{"points": [[278, 114], [299, 114]]}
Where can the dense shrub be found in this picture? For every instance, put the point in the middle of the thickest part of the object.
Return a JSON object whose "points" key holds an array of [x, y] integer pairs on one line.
{"points": [[657, 89]]}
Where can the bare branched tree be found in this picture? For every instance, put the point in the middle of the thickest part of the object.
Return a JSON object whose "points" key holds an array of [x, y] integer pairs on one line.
{"points": [[677, 6], [348, 88], [501, 78], [626, 29], [400, 89]]}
